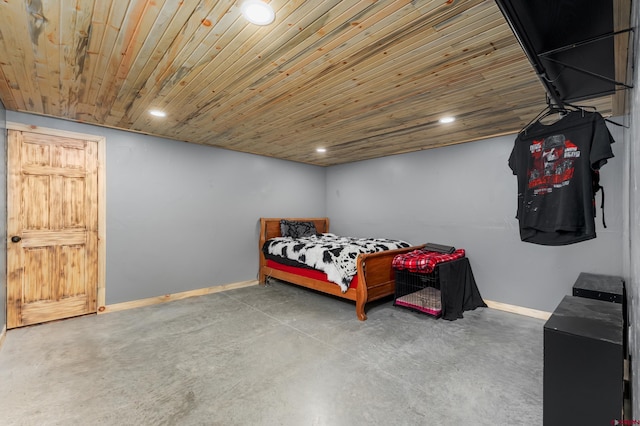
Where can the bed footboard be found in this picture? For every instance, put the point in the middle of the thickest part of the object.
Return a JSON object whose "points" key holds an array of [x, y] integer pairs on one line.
{"points": [[376, 278]]}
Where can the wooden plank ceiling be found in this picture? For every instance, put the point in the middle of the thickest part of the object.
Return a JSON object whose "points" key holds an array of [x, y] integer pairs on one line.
{"points": [[363, 79]]}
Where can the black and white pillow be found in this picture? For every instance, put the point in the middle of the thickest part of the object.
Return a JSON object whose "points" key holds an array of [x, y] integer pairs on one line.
{"points": [[297, 229]]}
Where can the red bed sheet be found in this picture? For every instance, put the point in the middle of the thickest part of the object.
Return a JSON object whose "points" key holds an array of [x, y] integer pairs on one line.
{"points": [[309, 273]]}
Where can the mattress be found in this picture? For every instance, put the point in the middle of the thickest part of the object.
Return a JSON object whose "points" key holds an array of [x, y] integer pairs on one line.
{"points": [[306, 272]]}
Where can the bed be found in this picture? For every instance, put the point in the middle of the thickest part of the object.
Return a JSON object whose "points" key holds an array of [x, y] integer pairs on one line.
{"points": [[374, 278]]}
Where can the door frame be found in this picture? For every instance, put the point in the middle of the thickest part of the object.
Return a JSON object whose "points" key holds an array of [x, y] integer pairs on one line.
{"points": [[102, 205]]}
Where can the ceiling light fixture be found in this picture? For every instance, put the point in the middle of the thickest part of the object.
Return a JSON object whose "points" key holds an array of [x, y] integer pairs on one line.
{"points": [[445, 120], [321, 149], [257, 12], [157, 113]]}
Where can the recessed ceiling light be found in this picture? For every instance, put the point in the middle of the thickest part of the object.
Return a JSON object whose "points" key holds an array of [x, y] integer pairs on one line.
{"points": [[157, 113], [445, 120], [321, 149], [257, 12]]}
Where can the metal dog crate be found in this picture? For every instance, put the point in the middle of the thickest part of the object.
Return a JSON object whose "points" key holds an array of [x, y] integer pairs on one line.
{"points": [[419, 291]]}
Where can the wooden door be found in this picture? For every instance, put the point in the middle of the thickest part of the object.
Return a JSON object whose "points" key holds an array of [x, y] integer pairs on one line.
{"points": [[52, 227]]}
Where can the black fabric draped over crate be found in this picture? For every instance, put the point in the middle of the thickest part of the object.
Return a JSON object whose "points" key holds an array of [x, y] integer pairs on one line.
{"points": [[459, 290]]}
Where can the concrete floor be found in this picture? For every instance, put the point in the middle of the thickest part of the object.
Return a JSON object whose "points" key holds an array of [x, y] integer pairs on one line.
{"points": [[275, 355]]}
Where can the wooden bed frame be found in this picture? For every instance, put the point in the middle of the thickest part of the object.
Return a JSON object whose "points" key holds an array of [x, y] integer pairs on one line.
{"points": [[375, 274]]}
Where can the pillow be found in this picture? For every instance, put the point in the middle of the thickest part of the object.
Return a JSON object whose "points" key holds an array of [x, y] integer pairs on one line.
{"points": [[297, 229]]}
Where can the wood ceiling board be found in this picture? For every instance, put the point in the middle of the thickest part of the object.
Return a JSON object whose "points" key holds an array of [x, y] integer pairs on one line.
{"points": [[361, 78]]}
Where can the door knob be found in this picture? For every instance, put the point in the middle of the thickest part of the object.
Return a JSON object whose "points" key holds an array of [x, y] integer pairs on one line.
{"points": [[15, 239]]}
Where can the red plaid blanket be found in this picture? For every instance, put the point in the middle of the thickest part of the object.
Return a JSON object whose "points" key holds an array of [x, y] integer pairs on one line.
{"points": [[423, 261]]}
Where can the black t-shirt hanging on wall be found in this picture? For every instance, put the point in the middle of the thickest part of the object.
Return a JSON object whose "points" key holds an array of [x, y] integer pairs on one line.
{"points": [[554, 165]]}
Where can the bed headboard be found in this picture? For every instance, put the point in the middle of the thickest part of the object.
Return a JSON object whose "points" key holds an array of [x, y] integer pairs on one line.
{"points": [[270, 227]]}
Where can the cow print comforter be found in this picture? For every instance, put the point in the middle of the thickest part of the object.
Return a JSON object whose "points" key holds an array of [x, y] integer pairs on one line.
{"points": [[329, 253]]}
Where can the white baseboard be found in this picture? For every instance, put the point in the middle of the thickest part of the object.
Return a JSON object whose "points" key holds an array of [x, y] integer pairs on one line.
{"points": [[216, 289], [172, 297], [3, 334], [534, 313]]}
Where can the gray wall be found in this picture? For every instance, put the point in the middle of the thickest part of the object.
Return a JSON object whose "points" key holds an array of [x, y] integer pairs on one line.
{"points": [[3, 217], [465, 196], [632, 269], [183, 216]]}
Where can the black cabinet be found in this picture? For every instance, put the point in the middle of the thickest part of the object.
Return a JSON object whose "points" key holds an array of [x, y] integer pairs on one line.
{"points": [[609, 288], [583, 363], [601, 287]]}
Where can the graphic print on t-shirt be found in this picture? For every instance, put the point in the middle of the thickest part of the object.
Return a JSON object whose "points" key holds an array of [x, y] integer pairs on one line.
{"points": [[552, 163]]}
